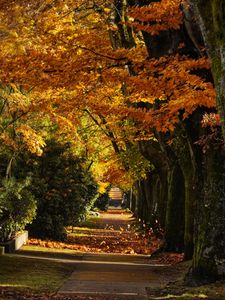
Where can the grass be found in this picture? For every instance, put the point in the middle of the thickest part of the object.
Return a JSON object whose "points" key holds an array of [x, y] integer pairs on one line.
{"points": [[35, 274], [91, 223], [52, 251], [176, 290]]}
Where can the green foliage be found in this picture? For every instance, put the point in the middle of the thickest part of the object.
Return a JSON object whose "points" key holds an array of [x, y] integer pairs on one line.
{"points": [[102, 202], [17, 207], [135, 162], [63, 188]]}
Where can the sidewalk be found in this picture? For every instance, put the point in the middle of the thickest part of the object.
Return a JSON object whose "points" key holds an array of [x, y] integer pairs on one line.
{"points": [[121, 277], [114, 276]]}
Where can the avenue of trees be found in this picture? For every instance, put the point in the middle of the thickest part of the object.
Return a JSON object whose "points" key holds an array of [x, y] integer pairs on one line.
{"points": [[122, 92]]}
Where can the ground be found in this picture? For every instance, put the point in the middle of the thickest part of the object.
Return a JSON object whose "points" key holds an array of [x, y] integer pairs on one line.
{"points": [[113, 232], [100, 238]]}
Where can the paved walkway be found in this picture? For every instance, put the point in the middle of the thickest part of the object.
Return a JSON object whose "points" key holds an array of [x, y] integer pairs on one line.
{"points": [[118, 276], [110, 276]]}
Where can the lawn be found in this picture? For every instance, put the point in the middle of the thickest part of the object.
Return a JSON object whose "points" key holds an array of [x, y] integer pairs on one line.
{"points": [[36, 275]]}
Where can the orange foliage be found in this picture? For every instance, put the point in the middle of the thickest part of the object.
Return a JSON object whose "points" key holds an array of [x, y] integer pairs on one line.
{"points": [[211, 120], [157, 16], [61, 52], [113, 232]]}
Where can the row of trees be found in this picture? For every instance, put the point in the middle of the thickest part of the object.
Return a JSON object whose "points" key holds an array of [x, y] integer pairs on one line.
{"points": [[129, 83]]}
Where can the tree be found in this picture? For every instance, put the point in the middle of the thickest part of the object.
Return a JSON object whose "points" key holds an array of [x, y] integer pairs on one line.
{"points": [[178, 91], [102, 65], [210, 15], [19, 206], [64, 189]]}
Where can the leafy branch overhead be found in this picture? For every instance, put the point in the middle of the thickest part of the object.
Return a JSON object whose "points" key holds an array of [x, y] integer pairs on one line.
{"points": [[63, 53], [130, 91]]}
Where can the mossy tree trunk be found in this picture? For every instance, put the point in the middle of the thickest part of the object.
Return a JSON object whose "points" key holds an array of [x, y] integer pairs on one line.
{"points": [[183, 147], [148, 188], [157, 200], [142, 201], [163, 197], [133, 200], [174, 227], [209, 252], [211, 18], [171, 198]]}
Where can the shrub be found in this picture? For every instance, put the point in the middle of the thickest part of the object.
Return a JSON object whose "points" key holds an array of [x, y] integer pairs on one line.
{"points": [[17, 207], [102, 202], [64, 190]]}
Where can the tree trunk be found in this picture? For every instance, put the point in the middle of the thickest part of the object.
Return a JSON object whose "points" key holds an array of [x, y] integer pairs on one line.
{"points": [[209, 252], [162, 198], [174, 227], [186, 157], [211, 19], [151, 151], [142, 207], [148, 187]]}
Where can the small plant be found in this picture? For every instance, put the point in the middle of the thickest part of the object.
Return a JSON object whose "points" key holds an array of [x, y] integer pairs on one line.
{"points": [[17, 207]]}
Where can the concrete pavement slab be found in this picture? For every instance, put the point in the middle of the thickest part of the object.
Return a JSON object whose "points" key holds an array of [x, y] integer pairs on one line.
{"points": [[91, 287]]}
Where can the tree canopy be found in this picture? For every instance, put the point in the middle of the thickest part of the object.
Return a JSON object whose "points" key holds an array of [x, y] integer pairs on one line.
{"points": [[134, 87]]}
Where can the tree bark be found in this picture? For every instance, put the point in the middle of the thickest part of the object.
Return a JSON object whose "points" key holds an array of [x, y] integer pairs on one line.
{"points": [[211, 18], [209, 254], [185, 153], [151, 151], [174, 227]]}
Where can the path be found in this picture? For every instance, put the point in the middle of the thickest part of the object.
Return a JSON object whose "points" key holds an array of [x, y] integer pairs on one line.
{"points": [[111, 261], [114, 276], [113, 232]]}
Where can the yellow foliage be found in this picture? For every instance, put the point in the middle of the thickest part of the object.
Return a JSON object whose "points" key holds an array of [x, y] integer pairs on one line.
{"points": [[8, 141], [61, 50], [33, 141], [102, 187]]}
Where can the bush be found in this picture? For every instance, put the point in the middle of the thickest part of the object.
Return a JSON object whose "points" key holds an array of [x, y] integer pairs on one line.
{"points": [[17, 207], [102, 202], [49, 226], [64, 191]]}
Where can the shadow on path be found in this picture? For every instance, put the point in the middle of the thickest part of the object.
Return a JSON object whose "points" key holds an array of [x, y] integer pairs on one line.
{"points": [[116, 263]]}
